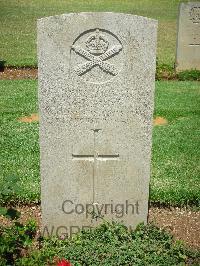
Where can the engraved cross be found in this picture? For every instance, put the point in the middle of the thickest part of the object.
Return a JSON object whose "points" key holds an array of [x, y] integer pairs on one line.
{"points": [[94, 158]]}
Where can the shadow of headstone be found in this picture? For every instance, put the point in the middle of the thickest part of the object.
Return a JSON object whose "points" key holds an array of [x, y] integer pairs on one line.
{"points": [[2, 65]]}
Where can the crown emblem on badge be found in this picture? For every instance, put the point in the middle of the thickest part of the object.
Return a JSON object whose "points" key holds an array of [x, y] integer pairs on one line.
{"points": [[97, 43]]}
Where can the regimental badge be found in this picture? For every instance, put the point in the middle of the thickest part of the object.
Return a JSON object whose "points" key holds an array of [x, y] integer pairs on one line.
{"points": [[97, 49], [195, 14]]}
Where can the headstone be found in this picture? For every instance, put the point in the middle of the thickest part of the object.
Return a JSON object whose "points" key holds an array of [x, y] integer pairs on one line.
{"points": [[188, 40], [96, 94]]}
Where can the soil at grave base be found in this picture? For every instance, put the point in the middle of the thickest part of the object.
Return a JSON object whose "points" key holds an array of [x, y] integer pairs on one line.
{"points": [[29, 119], [160, 121], [19, 73], [183, 224]]}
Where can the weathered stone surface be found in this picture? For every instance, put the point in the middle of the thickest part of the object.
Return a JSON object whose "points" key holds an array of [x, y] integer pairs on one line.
{"points": [[96, 94], [188, 39]]}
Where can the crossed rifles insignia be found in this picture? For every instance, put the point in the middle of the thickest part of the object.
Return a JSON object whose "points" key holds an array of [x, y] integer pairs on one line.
{"points": [[97, 53]]}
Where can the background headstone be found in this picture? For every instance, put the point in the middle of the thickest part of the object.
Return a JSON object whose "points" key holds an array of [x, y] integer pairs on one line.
{"points": [[188, 39], [96, 94]]}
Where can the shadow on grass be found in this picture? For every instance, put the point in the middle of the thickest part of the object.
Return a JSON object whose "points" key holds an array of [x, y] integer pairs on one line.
{"points": [[2, 65]]}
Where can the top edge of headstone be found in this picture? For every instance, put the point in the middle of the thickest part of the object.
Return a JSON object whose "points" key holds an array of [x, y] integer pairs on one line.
{"points": [[189, 3], [97, 13]]}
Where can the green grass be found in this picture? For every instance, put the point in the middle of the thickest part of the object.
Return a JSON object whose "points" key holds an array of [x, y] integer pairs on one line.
{"points": [[176, 153], [19, 141], [175, 162], [18, 23]]}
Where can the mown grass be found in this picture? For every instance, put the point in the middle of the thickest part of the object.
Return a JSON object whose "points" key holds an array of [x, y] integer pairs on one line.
{"points": [[175, 162], [18, 24], [19, 146], [176, 153]]}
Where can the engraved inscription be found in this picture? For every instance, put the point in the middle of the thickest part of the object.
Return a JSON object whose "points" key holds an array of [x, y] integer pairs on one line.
{"points": [[97, 48], [195, 14]]}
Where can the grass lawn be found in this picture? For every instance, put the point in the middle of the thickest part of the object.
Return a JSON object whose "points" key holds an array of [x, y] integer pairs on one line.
{"points": [[175, 162], [176, 153], [19, 146], [18, 23]]}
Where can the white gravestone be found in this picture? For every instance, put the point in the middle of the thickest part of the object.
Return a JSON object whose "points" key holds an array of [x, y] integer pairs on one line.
{"points": [[96, 94], [188, 39]]}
